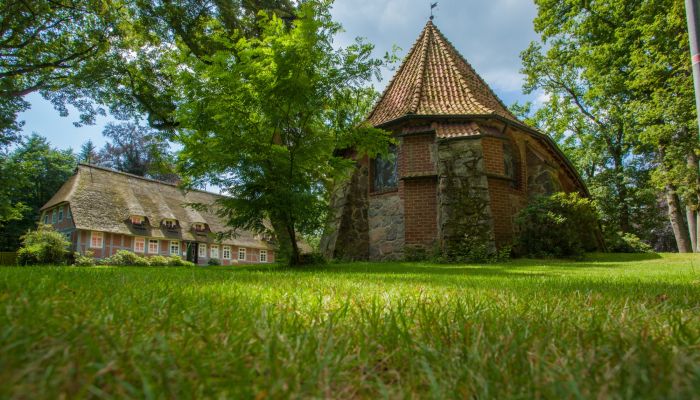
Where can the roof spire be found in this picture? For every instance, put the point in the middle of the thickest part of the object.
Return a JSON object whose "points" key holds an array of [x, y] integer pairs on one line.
{"points": [[432, 6]]}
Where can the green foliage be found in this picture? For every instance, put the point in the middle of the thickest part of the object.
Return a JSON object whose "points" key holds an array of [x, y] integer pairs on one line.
{"points": [[619, 101], [43, 246], [137, 150], [620, 242], [213, 262], [84, 260], [288, 98], [35, 172], [561, 225], [521, 330], [468, 251], [159, 261], [175, 261], [125, 258]]}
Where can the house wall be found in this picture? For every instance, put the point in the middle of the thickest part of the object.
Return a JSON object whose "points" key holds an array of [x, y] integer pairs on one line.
{"points": [[112, 243]]}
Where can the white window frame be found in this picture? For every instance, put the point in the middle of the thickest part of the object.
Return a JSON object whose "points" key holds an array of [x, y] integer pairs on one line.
{"points": [[214, 251], [241, 251], [157, 246], [263, 252], [94, 235], [173, 243], [226, 252], [143, 243], [54, 216], [137, 220], [168, 222], [60, 214], [202, 248], [199, 227]]}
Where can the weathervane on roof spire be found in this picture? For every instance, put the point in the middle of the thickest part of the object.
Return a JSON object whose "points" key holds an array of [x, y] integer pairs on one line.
{"points": [[432, 6]]}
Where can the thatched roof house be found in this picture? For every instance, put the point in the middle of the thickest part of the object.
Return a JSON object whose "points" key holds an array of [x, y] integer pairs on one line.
{"points": [[103, 211]]}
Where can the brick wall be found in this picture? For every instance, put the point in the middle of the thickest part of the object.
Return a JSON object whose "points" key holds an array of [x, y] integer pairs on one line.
{"points": [[417, 155], [420, 208], [501, 210], [417, 158], [493, 155]]}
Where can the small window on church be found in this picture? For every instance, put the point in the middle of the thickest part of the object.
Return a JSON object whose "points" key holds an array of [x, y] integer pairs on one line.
{"points": [[511, 164], [385, 174]]}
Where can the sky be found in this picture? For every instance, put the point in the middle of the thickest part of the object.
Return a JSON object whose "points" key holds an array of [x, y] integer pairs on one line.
{"points": [[490, 34]]}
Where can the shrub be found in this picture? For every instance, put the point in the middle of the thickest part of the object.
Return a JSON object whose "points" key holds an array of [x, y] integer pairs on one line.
{"points": [[43, 246], [159, 261], [619, 242], [84, 260], [213, 262], [561, 225], [124, 258], [175, 261], [467, 251]]}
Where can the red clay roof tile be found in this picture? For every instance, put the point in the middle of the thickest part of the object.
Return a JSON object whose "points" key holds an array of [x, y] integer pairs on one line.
{"points": [[436, 80]]}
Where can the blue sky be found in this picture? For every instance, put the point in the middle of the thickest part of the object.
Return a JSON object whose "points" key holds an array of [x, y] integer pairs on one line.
{"points": [[489, 34]]}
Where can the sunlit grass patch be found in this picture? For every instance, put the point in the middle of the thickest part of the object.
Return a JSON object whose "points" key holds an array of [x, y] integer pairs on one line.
{"points": [[610, 326]]}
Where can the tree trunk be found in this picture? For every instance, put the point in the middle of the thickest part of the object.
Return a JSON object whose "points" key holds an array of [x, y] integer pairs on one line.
{"points": [[691, 217], [680, 229], [295, 256], [621, 187]]}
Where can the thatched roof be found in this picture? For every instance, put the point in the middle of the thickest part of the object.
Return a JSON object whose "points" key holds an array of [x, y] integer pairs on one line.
{"points": [[104, 200]]}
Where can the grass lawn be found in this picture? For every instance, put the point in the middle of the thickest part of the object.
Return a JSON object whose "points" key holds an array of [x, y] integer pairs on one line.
{"points": [[615, 326]]}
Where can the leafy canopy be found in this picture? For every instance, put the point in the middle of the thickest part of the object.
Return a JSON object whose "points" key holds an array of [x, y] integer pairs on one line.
{"points": [[265, 117]]}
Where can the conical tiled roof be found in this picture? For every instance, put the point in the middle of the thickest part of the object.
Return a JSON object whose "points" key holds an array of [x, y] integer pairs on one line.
{"points": [[436, 80]]}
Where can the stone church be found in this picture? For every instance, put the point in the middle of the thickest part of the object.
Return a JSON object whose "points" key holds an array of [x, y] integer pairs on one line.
{"points": [[461, 170]]}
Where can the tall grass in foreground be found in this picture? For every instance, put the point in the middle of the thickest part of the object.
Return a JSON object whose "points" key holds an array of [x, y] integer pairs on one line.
{"points": [[613, 327]]}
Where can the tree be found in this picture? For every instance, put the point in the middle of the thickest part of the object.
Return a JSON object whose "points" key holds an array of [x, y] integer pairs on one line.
{"points": [[51, 47], [39, 171], [88, 153], [113, 53], [262, 118], [137, 150], [614, 72]]}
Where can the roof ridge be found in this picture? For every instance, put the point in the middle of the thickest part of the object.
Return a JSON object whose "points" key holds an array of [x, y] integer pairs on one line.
{"points": [[143, 178], [415, 102], [397, 74], [451, 48]]}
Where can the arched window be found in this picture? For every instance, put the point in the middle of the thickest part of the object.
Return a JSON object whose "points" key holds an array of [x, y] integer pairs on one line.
{"points": [[511, 164], [385, 173]]}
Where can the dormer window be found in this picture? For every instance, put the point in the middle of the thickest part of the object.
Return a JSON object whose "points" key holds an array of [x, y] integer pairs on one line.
{"points": [[200, 227], [170, 223], [137, 220]]}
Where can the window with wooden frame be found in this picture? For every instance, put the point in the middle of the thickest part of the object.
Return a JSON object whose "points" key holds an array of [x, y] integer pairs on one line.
{"points": [[227, 252], [214, 251], [202, 250], [153, 246], [96, 240], [60, 214], [200, 227], [174, 248], [46, 218], [170, 224], [54, 216], [137, 220], [263, 256], [139, 245], [241, 253]]}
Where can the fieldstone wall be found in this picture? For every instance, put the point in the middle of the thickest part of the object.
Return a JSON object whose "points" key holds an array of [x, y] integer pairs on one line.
{"points": [[346, 236], [464, 213], [386, 227]]}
